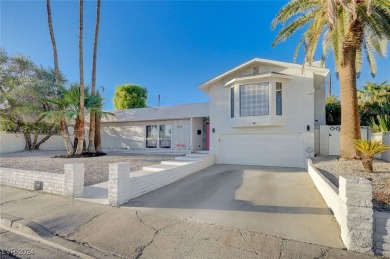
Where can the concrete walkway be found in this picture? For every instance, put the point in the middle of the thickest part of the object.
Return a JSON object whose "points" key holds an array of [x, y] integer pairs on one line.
{"points": [[277, 201], [91, 230]]}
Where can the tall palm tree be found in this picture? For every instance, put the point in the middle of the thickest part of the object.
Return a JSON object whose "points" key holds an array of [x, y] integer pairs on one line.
{"points": [[347, 27], [64, 126], [92, 119], [80, 133]]}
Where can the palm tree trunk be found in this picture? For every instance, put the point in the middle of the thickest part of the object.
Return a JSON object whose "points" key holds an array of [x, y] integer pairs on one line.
{"points": [[98, 140], [64, 133], [92, 119], [80, 131], [350, 121]]}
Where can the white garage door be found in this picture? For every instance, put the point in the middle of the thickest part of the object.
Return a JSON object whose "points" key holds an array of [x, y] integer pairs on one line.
{"points": [[261, 149]]}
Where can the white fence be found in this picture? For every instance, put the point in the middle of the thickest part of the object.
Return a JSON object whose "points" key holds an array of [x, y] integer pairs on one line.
{"points": [[13, 142], [327, 139]]}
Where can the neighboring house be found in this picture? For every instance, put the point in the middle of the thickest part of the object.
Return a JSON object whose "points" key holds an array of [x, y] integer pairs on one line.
{"points": [[263, 112], [163, 129]]}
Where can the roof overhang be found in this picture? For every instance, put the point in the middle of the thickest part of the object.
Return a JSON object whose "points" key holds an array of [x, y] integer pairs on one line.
{"points": [[256, 61], [253, 78]]}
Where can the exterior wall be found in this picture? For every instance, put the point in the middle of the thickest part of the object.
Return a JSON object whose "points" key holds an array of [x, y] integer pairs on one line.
{"points": [[382, 233], [319, 100], [352, 208], [123, 185], [295, 115], [13, 142], [132, 135], [71, 183], [197, 140]]}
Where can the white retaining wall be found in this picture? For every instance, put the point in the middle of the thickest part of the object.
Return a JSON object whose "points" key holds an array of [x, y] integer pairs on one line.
{"points": [[352, 207], [123, 185], [13, 142], [71, 183], [382, 233]]}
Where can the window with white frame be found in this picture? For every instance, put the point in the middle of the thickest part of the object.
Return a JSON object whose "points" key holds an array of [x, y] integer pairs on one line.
{"points": [[158, 136], [151, 136], [254, 99], [278, 98], [165, 136]]}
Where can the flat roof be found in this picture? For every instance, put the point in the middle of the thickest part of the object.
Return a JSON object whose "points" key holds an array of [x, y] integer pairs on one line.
{"points": [[183, 111]]}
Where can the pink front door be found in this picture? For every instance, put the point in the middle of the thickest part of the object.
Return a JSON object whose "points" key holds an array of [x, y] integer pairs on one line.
{"points": [[207, 147]]}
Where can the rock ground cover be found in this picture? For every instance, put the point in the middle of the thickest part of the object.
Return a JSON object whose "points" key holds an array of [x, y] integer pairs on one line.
{"points": [[332, 167], [96, 168]]}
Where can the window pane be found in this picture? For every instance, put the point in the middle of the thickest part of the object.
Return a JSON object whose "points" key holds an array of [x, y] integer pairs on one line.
{"points": [[254, 99], [165, 136], [278, 98], [232, 102], [151, 136]]}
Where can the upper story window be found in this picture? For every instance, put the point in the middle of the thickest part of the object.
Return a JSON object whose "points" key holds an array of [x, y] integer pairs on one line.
{"points": [[254, 99], [278, 98]]}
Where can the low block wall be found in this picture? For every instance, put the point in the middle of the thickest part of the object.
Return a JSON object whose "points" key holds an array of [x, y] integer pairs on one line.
{"points": [[14, 142], [382, 233], [352, 208], [123, 185], [71, 183]]}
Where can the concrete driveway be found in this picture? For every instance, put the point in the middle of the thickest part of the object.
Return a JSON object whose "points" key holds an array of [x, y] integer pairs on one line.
{"points": [[278, 201]]}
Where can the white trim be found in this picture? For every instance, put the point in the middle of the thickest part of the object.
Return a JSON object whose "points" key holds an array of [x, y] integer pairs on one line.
{"points": [[319, 70]]}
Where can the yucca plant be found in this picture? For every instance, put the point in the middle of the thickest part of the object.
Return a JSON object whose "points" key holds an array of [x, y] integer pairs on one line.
{"points": [[369, 149]]}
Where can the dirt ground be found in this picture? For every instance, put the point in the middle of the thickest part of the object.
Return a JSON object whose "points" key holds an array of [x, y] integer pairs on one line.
{"points": [[96, 168], [331, 167]]}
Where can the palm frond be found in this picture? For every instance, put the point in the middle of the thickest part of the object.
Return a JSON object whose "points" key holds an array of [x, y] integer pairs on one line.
{"points": [[370, 148]]}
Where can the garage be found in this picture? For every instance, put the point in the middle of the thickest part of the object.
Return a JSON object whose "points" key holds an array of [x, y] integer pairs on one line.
{"points": [[261, 149]]}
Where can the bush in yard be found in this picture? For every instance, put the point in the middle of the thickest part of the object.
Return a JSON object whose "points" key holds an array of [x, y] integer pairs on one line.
{"points": [[369, 149], [333, 110]]}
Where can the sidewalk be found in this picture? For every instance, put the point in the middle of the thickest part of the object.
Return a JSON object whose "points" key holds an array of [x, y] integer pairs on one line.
{"points": [[100, 231]]}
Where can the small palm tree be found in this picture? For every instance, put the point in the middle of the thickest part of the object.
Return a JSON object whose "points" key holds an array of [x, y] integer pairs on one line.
{"points": [[369, 149]]}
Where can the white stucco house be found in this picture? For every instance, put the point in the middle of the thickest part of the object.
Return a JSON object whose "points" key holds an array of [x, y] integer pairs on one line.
{"points": [[158, 129], [262, 112]]}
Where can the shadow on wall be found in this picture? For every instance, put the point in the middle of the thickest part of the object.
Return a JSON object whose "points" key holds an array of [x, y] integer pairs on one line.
{"points": [[221, 188]]}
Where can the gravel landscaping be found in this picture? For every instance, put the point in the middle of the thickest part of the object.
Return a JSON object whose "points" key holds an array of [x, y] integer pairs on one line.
{"points": [[96, 168], [331, 167]]}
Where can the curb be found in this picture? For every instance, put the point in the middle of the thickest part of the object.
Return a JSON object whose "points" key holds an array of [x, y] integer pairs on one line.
{"points": [[37, 232]]}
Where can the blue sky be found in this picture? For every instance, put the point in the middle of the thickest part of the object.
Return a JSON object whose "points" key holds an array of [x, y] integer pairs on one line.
{"points": [[167, 47]]}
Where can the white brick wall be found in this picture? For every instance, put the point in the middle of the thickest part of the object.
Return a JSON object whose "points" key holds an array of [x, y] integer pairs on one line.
{"points": [[352, 208], [382, 233], [123, 185], [69, 184]]}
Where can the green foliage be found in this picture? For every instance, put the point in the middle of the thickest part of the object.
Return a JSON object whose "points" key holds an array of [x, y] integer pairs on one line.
{"points": [[330, 22], [23, 88], [383, 124], [370, 148], [130, 96], [374, 101], [333, 110]]}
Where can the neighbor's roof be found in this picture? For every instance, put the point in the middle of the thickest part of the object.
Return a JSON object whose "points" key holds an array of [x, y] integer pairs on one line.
{"points": [[315, 67], [191, 110]]}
